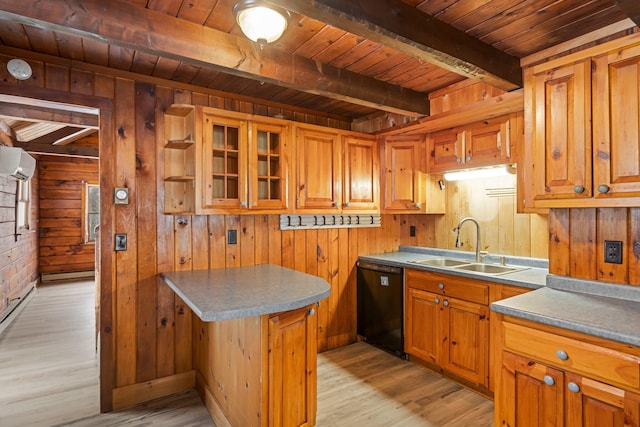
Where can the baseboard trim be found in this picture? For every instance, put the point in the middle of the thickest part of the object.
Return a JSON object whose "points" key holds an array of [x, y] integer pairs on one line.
{"points": [[215, 411], [134, 394], [73, 275], [16, 307]]}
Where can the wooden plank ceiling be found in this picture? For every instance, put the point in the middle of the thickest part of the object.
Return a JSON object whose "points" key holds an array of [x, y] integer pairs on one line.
{"points": [[350, 58]]}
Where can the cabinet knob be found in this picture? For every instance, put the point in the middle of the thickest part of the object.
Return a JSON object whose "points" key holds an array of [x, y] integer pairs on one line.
{"points": [[334, 204], [440, 285], [468, 158], [458, 160], [416, 205], [562, 355], [437, 300], [548, 380], [346, 205], [578, 189], [573, 387], [312, 312], [603, 188], [243, 203], [446, 303]]}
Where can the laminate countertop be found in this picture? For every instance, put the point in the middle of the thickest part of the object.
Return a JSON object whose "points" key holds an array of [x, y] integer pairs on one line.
{"points": [[229, 293]]}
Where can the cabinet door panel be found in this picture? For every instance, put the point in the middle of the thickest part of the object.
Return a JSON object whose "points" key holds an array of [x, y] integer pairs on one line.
{"points": [[319, 165], [465, 340], [403, 166], [423, 324], [562, 132], [595, 404], [616, 124], [292, 368], [268, 166], [524, 398], [361, 174], [488, 143], [446, 149]]}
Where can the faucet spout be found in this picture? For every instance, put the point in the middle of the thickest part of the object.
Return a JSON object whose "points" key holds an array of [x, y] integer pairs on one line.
{"points": [[475, 221]]}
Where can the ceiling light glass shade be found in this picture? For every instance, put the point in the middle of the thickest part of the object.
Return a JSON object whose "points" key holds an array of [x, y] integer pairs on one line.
{"points": [[260, 21], [477, 173]]}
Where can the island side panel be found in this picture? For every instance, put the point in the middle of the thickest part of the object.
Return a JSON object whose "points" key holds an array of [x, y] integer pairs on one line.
{"points": [[229, 364]]}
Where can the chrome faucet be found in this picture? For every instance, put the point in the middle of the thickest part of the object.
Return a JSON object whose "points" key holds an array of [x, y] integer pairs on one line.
{"points": [[458, 244]]}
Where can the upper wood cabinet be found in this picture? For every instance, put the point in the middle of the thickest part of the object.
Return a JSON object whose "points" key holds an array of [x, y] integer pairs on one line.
{"points": [[336, 171], [478, 144], [319, 171], [582, 139], [219, 161], [407, 187]]}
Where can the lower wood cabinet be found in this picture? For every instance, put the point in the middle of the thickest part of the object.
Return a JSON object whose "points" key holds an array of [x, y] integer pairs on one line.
{"points": [[548, 379], [447, 323], [292, 368]]}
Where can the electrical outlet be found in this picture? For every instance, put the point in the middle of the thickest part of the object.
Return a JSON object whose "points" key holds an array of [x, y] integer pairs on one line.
{"points": [[613, 251], [412, 230], [232, 237]]}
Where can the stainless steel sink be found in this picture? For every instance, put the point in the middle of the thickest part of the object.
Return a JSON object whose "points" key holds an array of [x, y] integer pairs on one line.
{"points": [[441, 262], [489, 268]]}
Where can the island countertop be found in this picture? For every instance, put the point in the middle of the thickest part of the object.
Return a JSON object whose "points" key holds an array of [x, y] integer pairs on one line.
{"points": [[229, 293]]}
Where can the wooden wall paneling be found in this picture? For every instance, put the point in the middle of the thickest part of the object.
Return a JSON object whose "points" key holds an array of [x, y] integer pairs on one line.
{"points": [[342, 262], [200, 242], [146, 178], [217, 241], [539, 235], [350, 317], [232, 222], [261, 239], [125, 222], [57, 77], [507, 238], [583, 240], [313, 256], [165, 316], [325, 269], [634, 242], [612, 224], [246, 236], [287, 249], [559, 242], [522, 238], [83, 82], [300, 251], [275, 241]]}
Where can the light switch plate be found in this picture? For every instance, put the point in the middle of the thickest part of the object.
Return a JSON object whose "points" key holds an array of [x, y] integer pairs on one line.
{"points": [[120, 242]]}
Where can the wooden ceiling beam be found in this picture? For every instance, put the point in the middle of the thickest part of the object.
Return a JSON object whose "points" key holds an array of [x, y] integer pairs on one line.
{"points": [[52, 137], [125, 24], [58, 150], [409, 30], [631, 8], [35, 113]]}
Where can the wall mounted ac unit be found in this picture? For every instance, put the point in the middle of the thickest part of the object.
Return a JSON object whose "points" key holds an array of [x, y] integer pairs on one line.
{"points": [[16, 162]]}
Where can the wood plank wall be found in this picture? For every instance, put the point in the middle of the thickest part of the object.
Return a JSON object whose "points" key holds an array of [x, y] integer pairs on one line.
{"points": [[492, 201], [576, 243], [62, 246], [18, 256]]}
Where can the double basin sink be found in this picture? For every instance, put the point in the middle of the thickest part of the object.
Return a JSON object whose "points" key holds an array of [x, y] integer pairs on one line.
{"points": [[476, 267]]}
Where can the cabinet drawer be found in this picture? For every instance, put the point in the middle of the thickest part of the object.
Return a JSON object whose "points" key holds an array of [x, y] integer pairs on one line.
{"points": [[584, 358], [452, 286]]}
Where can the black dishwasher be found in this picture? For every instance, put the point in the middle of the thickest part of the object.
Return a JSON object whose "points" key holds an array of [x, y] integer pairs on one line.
{"points": [[380, 306]]}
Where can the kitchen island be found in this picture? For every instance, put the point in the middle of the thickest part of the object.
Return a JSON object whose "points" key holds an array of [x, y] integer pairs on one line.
{"points": [[254, 342]]}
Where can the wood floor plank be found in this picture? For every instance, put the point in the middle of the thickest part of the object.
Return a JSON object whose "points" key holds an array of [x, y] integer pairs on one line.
{"points": [[49, 377]]}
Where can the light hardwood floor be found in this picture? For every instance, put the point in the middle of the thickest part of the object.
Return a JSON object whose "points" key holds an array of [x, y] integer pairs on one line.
{"points": [[48, 377]]}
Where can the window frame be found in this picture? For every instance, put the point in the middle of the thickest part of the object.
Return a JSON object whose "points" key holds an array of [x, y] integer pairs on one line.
{"points": [[24, 220], [85, 211]]}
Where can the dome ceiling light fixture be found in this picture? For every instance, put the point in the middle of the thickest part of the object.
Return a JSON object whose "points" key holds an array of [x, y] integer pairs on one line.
{"points": [[19, 69], [261, 21]]}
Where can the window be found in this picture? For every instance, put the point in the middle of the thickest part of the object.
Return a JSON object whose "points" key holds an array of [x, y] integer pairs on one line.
{"points": [[23, 206], [91, 208]]}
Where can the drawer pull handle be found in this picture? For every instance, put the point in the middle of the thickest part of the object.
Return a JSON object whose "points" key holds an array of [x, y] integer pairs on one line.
{"points": [[573, 387], [578, 189], [437, 300], [446, 303], [548, 380], [562, 355], [312, 312], [440, 285]]}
